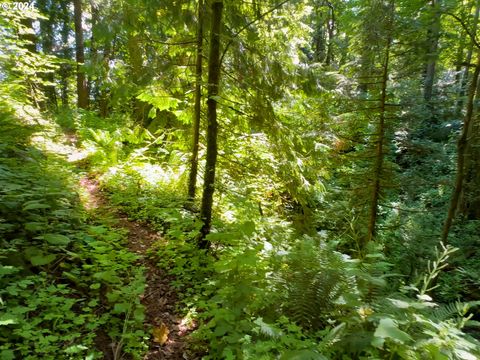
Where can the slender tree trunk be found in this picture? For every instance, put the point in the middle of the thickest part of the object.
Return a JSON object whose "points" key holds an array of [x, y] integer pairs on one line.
{"points": [[379, 154], [30, 37], [331, 31], [65, 67], [103, 101], [469, 202], [432, 44], [192, 182], [462, 153], [47, 43], [468, 59], [82, 91], [93, 84], [212, 125], [31, 45]]}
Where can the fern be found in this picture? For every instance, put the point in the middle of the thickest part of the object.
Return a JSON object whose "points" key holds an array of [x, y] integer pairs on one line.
{"points": [[315, 280], [458, 310]]}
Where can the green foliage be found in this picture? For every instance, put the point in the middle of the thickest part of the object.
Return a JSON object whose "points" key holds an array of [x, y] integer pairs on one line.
{"points": [[62, 280], [300, 99], [316, 281]]}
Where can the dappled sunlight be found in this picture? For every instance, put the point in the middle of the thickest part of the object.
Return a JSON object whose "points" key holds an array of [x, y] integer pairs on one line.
{"points": [[88, 194], [150, 174]]}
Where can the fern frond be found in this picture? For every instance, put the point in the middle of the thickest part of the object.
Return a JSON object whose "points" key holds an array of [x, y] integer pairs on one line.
{"points": [[446, 311], [315, 279]]}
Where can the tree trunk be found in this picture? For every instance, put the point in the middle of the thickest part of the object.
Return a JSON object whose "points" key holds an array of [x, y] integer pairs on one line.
{"points": [[379, 155], [431, 60], [103, 100], [29, 37], [82, 92], [192, 182], [47, 43], [212, 125], [468, 59], [93, 84], [331, 31], [462, 155], [65, 67], [31, 45], [469, 202]]}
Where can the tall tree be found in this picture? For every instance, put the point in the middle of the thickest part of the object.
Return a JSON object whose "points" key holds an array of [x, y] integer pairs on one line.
{"points": [[433, 36], [65, 53], [379, 152], [82, 90], [464, 157], [467, 60], [48, 9], [136, 58], [324, 33], [192, 183], [214, 66]]}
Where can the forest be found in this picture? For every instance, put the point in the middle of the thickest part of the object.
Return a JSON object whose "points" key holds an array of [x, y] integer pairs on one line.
{"points": [[240, 179]]}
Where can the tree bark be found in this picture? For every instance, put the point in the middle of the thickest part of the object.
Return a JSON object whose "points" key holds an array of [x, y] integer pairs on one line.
{"points": [[192, 182], [462, 153], [379, 152], [431, 63], [30, 38], [66, 54], [212, 125], [82, 91], [331, 32], [469, 202], [47, 43], [379, 155], [468, 59], [93, 84]]}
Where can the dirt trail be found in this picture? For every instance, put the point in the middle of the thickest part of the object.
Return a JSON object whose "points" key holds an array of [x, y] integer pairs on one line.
{"points": [[159, 298]]}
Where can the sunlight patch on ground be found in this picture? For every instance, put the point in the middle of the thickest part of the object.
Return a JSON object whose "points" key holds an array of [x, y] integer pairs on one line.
{"points": [[87, 192], [151, 174]]}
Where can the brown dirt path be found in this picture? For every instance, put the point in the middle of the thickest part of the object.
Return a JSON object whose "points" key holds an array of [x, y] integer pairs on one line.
{"points": [[160, 298]]}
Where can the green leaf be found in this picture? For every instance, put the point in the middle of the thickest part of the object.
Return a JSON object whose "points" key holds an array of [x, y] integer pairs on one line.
{"points": [[7, 270], [40, 260], [268, 329], [34, 205], [247, 228], [302, 355], [56, 239], [425, 297], [108, 276], [7, 355], [378, 342], [8, 319], [121, 308], [400, 303], [139, 314], [34, 226], [387, 328], [75, 349]]}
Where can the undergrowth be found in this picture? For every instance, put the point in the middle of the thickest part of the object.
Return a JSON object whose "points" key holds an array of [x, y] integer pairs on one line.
{"points": [[65, 275], [264, 292]]}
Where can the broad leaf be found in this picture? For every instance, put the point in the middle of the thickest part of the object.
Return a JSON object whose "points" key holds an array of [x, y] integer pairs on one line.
{"points": [[387, 328]]}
